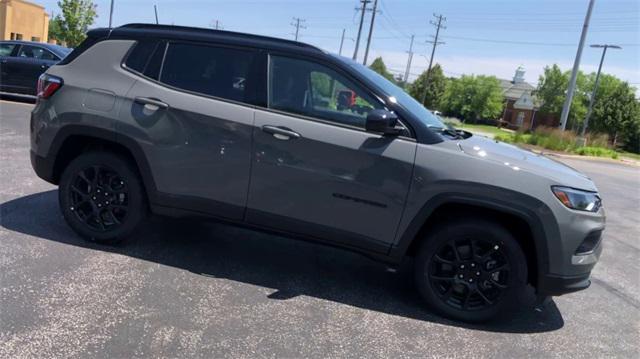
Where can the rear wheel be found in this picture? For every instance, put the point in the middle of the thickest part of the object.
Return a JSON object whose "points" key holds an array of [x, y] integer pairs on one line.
{"points": [[471, 270], [101, 197]]}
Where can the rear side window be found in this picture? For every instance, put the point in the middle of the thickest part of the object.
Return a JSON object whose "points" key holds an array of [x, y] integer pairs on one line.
{"points": [[34, 52], [215, 71], [140, 55], [6, 49]]}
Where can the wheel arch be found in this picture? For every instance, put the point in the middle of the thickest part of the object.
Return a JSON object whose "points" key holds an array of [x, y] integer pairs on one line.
{"points": [[525, 217], [72, 140]]}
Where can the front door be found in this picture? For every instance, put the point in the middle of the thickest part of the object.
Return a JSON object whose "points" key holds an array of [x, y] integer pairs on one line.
{"points": [[315, 171], [195, 126]]}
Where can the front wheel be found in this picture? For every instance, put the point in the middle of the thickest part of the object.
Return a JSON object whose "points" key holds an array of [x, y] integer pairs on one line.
{"points": [[101, 197], [471, 270]]}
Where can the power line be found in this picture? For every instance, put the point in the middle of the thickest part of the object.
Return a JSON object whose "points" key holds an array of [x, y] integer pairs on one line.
{"points": [[298, 26]]}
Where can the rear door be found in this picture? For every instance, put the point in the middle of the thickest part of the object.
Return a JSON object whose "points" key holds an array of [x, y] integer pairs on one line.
{"points": [[29, 63], [194, 123], [315, 170]]}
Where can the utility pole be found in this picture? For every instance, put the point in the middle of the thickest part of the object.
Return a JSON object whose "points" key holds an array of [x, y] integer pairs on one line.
{"points": [[576, 66], [298, 26], [373, 19], [435, 43], [363, 9], [341, 42], [595, 86], [110, 14], [216, 25], [406, 72], [155, 10]]}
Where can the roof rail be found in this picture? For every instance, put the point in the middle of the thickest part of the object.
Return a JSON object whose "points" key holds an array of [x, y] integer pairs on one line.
{"points": [[202, 30]]}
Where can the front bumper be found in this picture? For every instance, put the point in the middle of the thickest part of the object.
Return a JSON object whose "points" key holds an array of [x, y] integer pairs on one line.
{"points": [[554, 285]]}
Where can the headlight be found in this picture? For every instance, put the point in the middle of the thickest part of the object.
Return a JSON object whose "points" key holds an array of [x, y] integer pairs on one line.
{"points": [[577, 199]]}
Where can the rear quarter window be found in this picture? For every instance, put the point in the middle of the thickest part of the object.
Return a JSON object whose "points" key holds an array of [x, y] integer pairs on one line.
{"points": [[140, 55]]}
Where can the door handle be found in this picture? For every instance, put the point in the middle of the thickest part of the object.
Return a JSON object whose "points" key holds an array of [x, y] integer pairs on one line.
{"points": [[281, 133], [152, 103]]}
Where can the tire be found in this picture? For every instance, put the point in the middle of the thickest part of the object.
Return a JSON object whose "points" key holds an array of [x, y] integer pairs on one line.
{"points": [[482, 278], [101, 197]]}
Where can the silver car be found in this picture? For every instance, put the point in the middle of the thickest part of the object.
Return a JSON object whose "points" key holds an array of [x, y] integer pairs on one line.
{"points": [[151, 118]]}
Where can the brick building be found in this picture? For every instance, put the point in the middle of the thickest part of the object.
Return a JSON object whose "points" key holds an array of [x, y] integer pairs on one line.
{"points": [[521, 106]]}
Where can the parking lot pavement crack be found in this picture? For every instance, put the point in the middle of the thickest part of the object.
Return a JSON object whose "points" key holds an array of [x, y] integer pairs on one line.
{"points": [[617, 292]]}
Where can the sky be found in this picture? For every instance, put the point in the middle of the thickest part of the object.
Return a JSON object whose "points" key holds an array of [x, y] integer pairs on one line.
{"points": [[487, 37]]}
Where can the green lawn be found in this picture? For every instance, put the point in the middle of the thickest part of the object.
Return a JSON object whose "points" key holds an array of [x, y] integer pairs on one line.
{"points": [[482, 129]]}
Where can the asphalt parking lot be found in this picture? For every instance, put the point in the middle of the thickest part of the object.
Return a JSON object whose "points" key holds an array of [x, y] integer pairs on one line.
{"points": [[210, 290]]}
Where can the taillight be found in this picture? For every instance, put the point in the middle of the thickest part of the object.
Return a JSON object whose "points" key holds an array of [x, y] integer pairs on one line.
{"points": [[48, 85]]}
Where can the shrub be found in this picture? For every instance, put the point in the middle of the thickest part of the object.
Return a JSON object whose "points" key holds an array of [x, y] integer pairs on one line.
{"points": [[596, 151], [566, 141]]}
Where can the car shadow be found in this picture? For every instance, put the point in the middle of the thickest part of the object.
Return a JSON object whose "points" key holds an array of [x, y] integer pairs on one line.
{"points": [[291, 267]]}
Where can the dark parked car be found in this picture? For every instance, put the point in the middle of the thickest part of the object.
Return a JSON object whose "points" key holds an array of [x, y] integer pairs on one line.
{"points": [[22, 62], [151, 117]]}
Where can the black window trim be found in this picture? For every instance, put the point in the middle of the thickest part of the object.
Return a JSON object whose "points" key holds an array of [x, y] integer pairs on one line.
{"points": [[330, 65]]}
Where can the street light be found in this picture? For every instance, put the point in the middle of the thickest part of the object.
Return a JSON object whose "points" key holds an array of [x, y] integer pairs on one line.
{"points": [[604, 48]]}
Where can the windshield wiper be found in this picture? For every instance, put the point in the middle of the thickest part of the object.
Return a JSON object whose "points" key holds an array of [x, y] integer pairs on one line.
{"points": [[449, 131]]}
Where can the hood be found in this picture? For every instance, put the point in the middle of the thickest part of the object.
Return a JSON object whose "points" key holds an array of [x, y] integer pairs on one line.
{"points": [[522, 160]]}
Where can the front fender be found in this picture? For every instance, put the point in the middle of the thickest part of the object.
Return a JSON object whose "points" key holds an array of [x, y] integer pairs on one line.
{"points": [[535, 213]]}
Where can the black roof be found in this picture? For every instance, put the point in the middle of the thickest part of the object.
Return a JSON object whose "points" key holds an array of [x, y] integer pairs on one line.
{"points": [[57, 49], [204, 34]]}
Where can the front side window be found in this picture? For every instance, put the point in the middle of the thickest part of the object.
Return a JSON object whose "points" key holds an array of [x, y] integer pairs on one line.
{"points": [[310, 89], [214, 71], [36, 53], [6, 49]]}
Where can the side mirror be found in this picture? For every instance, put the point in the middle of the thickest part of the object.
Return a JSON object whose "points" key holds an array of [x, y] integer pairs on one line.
{"points": [[382, 121]]}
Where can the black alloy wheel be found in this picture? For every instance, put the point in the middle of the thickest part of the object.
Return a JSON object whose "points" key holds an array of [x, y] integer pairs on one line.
{"points": [[471, 270], [470, 274], [101, 197]]}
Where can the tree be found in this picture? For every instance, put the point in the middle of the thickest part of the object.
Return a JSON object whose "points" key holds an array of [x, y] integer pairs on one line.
{"points": [[473, 97], [552, 86], [616, 111], [71, 27], [436, 87], [378, 66], [55, 31]]}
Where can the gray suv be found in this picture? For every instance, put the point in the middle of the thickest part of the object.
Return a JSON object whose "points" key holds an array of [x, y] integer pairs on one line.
{"points": [[282, 136]]}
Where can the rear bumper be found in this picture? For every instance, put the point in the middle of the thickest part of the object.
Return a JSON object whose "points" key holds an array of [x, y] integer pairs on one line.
{"points": [[43, 167]]}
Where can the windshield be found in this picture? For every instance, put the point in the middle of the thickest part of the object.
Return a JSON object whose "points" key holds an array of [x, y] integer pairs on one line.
{"points": [[401, 97]]}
